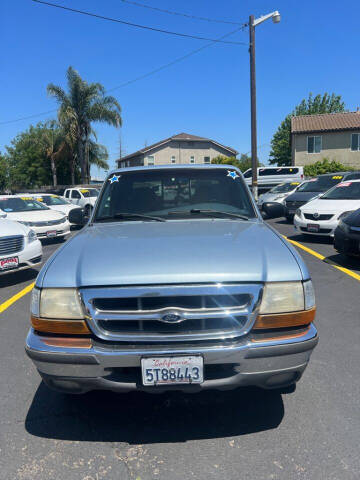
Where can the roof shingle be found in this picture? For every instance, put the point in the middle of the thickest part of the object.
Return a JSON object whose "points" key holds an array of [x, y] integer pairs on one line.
{"points": [[325, 122]]}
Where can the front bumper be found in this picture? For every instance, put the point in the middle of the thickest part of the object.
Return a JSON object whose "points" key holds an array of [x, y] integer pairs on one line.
{"points": [[347, 243], [29, 257], [61, 229], [266, 364], [326, 227]]}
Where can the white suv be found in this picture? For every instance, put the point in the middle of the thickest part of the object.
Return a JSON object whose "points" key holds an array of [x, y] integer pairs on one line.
{"points": [[82, 197]]}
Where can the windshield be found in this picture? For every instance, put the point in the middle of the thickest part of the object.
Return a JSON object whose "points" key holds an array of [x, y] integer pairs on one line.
{"points": [[320, 184], [174, 194], [344, 191], [89, 192], [52, 200], [20, 204], [284, 187]]}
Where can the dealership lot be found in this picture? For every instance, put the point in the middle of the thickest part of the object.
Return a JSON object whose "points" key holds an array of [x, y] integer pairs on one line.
{"points": [[309, 434]]}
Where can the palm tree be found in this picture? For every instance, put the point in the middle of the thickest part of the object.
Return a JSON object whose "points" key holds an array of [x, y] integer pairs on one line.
{"points": [[54, 143], [83, 104]]}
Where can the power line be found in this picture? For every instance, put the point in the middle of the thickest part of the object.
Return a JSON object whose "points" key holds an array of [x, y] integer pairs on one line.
{"points": [[145, 27], [136, 79], [171, 12]]}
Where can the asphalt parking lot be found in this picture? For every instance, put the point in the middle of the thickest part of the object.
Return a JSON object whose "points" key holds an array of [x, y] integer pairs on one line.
{"points": [[312, 433]]}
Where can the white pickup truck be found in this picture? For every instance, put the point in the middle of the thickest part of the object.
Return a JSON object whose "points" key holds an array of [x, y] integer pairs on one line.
{"points": [[83, 197]]}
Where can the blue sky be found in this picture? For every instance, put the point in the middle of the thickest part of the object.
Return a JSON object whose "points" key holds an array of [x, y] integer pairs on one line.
{"points": [[314, 48]]}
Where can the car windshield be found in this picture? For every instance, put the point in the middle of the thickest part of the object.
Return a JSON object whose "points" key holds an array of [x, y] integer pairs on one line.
{"points": [[343, 191], [52, 200], [320, 184], [21, 204], [284, 187], [89, 192], [174, 194]]}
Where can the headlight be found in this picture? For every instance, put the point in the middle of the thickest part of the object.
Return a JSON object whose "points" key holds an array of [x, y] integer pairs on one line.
{"points": [[283, 195], [286, 305], [344, 226], [282, 297], [61, 303], [31, 236], [345, 214], [28, 224], [298, 213]]}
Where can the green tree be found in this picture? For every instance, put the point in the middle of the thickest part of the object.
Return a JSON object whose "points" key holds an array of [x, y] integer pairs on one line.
{"points": [[280, 153], [3, 173], [83, 104], [243, 163], [53, 142], [324, 166]]}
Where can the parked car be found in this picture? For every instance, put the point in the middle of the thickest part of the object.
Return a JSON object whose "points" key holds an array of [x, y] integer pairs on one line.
{"points": [[45, 222], [322, 215], [19, 247], [82, 197], [313, 188], [187, 293], [347, 234], [278, 194], [55, 202], [271, 176]]}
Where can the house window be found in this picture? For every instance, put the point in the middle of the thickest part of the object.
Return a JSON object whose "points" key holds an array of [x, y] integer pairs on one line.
{"points": [[150, 160], [355, 142], [192, 159], [206, 159], [314, 144], [173, 160]]}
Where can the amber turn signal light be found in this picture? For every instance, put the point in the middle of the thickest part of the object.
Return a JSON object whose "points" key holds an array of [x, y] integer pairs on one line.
{"points": [[67, 327], [285, 320]]}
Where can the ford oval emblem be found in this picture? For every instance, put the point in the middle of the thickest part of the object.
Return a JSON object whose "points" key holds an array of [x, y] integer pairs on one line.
{"points": [[171, 318]]}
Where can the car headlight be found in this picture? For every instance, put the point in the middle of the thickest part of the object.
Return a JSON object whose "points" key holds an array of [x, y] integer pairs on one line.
{"points": [[298, 213], [278, 197], [286, 304], [31, 236], [57, 310], [344, 226], [28, 224], [345, 214]]}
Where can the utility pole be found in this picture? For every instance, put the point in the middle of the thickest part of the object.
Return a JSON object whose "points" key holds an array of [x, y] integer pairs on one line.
{"points": [[275, 16], [253, 107]]}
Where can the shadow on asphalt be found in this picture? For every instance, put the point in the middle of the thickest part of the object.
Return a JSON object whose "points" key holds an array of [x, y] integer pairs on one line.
{"points": [[141, 418], [14, 278]]}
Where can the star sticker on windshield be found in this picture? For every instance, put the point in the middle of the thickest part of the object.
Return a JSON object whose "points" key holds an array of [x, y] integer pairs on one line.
{"points": [[114, 178], [232, 174]]}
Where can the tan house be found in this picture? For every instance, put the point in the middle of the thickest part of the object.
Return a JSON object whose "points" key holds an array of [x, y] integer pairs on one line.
{"points": [[335, 136], [181, 148]]}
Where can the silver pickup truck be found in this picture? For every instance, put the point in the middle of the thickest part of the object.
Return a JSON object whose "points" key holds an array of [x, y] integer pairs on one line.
{"points": [[175, 283]]}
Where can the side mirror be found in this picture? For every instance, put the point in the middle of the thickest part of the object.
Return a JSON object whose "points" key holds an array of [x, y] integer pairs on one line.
{"points": [[77, 216], [3, 214], [273, 210]]}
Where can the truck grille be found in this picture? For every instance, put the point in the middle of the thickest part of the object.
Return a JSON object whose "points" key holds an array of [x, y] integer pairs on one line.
{"points": [[13, 244], [171, 313]]}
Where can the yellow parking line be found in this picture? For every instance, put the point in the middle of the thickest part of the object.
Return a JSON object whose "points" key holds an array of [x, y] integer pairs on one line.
{"points": [[324, 259], [17, 296]]}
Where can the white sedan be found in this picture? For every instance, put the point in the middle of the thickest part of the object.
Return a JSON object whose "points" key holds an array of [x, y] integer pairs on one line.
{"points": [[322, 215], [278, 193], [55, 202], [45, 222], [19, 247]]}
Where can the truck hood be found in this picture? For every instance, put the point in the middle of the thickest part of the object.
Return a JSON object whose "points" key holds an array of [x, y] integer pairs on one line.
{"points": [[130, 253]]}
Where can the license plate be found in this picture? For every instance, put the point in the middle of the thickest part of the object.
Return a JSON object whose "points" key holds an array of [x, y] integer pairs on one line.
{"points": [[11, 262], [172, 370], [313, 227], [51, 233]]}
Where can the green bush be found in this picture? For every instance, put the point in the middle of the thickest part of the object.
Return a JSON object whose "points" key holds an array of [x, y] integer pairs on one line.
{"points": [[324, 166]]}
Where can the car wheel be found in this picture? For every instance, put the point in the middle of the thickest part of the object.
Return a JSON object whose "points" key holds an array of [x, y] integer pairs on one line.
{"points": [[289, 218]]}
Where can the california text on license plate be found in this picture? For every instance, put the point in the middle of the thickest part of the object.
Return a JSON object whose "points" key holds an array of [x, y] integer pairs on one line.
{"points": [[51, 233], [313, 227], [172, 370], [11, 262]]}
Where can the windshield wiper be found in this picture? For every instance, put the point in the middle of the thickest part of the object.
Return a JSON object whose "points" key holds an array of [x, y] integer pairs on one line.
{"points": [[209, 212], [124, 215]]}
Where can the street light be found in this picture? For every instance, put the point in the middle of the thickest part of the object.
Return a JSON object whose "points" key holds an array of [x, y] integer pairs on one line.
{"points": [[275, 16]]}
